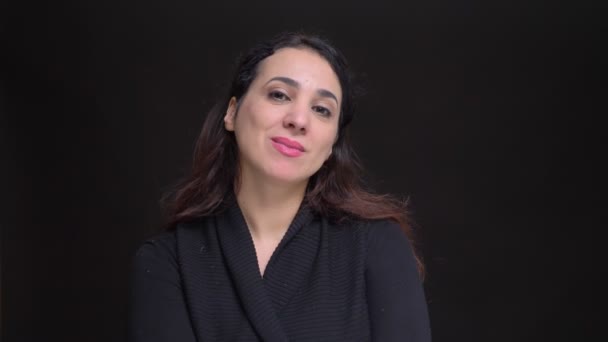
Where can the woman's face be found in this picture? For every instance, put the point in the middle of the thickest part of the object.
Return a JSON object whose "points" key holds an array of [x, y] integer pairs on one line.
{"points": [[287, 121]]}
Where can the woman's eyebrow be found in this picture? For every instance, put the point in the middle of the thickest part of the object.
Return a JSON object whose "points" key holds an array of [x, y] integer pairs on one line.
{"points": [[293, 83]]}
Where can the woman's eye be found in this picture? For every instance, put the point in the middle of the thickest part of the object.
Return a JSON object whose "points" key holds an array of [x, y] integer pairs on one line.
{"points": [[278, 96], [322, 110]]}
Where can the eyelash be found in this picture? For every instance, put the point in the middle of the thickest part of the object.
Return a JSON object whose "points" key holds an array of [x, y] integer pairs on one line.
{"points": [[280, 96], [323, 111], [273, 96]]}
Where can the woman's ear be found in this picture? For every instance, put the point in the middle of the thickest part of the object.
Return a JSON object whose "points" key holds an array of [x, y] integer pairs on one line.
{"points": [[230, 114]]}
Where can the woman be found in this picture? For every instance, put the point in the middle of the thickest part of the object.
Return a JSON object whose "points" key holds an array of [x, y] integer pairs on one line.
{"points": [[272, 237]]}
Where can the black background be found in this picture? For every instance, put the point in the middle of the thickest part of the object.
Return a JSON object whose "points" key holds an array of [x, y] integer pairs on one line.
{"points": [[482, 113]]}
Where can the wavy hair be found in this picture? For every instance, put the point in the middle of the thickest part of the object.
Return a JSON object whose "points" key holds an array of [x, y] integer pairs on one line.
{"points": [[335, 191]]}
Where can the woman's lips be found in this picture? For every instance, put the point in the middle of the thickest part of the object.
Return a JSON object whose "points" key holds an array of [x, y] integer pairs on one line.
{"points": [[287, 147]]}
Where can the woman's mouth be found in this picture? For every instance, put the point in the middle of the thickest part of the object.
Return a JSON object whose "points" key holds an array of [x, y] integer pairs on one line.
{"points": [[287, 147]]}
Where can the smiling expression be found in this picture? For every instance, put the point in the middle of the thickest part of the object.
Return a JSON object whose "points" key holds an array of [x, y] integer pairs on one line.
{"points": [[287, 122]]}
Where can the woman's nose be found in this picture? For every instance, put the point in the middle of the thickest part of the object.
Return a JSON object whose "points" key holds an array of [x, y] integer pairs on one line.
{"points": [[297, 118]]}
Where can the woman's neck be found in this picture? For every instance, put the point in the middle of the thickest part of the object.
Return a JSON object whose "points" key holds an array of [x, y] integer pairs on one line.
{"points": [[269, 208]]}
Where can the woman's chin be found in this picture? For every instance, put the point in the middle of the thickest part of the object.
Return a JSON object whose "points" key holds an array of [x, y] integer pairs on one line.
{"points": [[288, 177]]}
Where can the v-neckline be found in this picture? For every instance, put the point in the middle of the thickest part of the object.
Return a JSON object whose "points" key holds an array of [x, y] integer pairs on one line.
{"points": [[258, 294]]}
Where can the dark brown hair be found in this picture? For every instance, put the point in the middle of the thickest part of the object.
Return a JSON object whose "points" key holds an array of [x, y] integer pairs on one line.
{"points": [[335, 191]]}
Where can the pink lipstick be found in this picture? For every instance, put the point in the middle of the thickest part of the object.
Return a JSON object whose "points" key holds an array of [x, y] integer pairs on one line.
{"points": [[287, 147]]}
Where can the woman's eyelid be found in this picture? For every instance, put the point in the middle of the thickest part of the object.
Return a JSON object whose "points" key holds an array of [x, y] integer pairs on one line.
{"points": [[327, 105], [325, 111], [272, 93]]}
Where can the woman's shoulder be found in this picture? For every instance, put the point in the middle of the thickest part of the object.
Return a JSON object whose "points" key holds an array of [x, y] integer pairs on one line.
{"points": [[372, 227], [388, 241], [380, 235], [374, 233], [161, 245], [386, 229], [166, 241]]}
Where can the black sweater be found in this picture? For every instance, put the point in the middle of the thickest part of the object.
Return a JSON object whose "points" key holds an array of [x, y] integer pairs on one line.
{"points": [[324, 282]]}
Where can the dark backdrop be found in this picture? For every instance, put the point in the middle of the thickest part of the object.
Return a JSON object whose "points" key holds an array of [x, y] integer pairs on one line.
{"points": [[480, 112]]}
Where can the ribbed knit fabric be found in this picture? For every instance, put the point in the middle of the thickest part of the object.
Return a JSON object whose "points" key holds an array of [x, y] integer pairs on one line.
{"points": [[202, 282]]}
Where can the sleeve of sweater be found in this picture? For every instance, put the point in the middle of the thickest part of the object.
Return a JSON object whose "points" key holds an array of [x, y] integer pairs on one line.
{"points": [[396, 300], [157, 309]]}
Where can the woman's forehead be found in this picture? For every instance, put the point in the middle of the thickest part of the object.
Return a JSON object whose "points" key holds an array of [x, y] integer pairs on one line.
{"points": [[303, 65]]}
